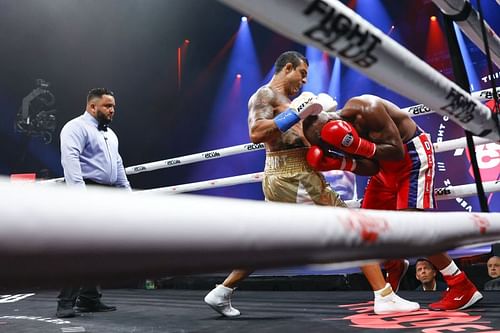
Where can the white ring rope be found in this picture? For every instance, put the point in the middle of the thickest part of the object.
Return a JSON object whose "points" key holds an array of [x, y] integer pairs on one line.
{"points": [[420, 109], [443, 146], [193, 158], [334, 28], [209, 184], [442, 193], [257, 177], [124, 234], [183, 160], [471, 26], [450, 192]]}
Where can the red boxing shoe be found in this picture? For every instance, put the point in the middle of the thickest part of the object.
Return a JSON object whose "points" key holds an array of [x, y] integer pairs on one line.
{"points": [[461, 294], [395, 271]]}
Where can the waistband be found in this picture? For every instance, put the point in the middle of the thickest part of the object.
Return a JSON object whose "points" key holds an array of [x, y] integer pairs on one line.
{"points": [[287, 161], [418, 132]]}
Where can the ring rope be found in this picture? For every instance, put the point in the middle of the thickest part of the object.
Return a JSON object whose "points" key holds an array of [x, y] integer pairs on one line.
{"points": [[439, 147], [334, 28], [209, 184], [471, 25], [420, 109], [193, 158], [442, 193], [185, 234]]}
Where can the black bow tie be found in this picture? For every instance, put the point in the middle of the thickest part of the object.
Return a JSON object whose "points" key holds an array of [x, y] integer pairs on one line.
{"points": [[102, 127]]}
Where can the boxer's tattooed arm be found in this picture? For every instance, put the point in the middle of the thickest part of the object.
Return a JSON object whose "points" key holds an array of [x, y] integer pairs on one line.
{"points": [[263, 106], [260, 116], [293, 138]]}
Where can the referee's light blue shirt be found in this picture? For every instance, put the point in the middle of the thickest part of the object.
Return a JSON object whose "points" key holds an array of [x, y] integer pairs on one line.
{"points": [[87, 153]]}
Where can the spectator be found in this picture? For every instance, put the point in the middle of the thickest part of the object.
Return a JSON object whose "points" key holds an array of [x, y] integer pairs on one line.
{"points": [[426, 274], [494, 273]]}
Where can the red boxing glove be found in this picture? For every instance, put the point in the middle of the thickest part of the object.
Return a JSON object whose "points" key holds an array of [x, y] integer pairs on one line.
{"points": [[316, 159], [343, 136]]}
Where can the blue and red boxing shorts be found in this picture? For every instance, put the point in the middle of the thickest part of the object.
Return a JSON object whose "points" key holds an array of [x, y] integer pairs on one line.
{"points": [[407, 183]]}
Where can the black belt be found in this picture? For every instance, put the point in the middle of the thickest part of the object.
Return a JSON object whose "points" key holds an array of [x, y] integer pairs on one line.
{"points": [[91, 182]]}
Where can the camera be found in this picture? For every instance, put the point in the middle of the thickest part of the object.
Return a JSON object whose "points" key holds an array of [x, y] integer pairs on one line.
{"points": [[36, 116]]}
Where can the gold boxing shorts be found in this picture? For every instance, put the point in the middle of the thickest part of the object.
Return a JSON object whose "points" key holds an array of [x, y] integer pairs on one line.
{"points": [[288, 178]]}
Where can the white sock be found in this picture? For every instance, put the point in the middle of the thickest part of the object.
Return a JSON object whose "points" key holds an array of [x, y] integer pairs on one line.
{"points": [[387, 290], [450, 270]]}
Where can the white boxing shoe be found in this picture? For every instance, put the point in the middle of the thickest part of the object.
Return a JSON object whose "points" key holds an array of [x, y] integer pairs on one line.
{"points": [[219, 299], [386, 302]]}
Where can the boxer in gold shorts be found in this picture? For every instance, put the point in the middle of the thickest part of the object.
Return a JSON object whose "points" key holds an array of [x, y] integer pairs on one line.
{"points": [[275, 119]]}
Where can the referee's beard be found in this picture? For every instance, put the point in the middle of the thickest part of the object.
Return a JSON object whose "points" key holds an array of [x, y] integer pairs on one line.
{"points": [[102, 118]]}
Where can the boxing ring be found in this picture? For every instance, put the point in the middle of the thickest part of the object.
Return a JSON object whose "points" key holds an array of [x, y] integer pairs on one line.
{"points": [[185, 234], [173, 238], [50, 234]]}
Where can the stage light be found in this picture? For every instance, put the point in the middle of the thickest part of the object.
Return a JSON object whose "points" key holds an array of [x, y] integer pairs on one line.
{"points": [[186, 41], [243, 19], [433, 18], [241, 76]]}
